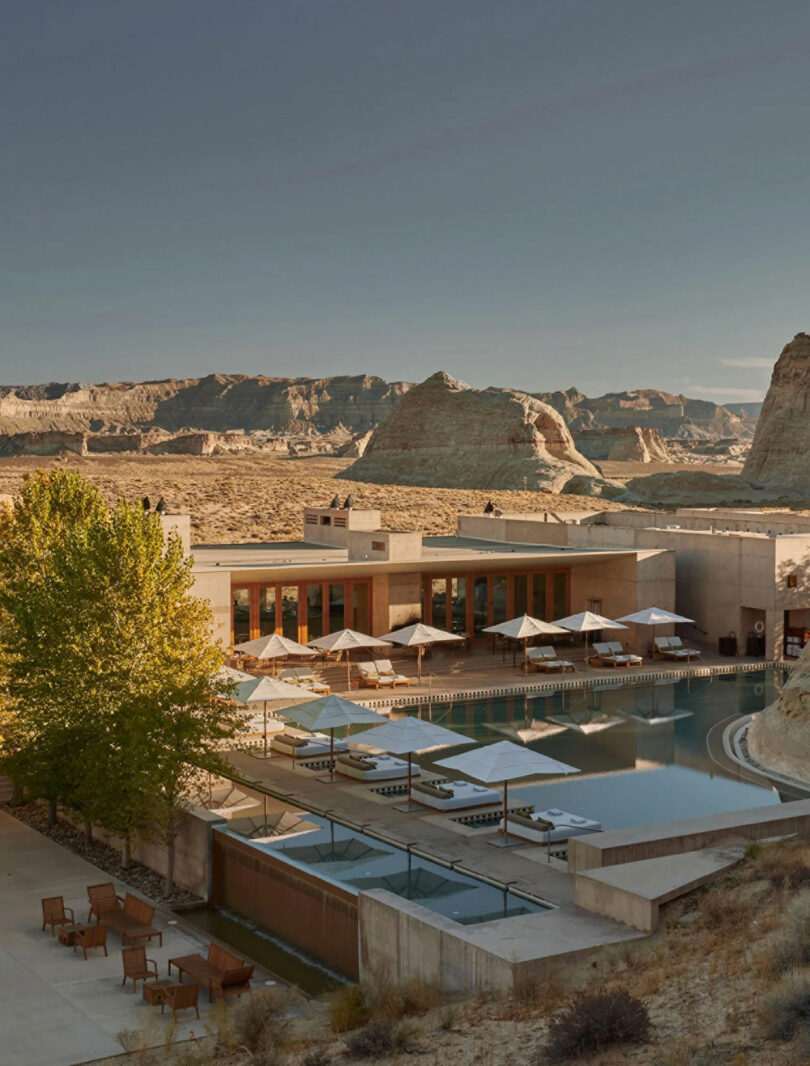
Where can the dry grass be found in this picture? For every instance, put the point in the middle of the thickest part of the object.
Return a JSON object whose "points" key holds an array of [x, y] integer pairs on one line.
{"points": [[259, 498]]}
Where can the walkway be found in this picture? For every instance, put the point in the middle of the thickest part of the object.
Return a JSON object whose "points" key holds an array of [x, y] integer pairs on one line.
{"points": [[56, 1009]]}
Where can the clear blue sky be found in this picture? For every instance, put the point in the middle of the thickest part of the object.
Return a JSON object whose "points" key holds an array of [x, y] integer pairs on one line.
{"points": [[533, 193]]}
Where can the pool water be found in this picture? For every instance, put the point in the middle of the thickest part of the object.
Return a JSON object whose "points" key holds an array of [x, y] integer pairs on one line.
{"points": [[641, 749], [357, 862]]}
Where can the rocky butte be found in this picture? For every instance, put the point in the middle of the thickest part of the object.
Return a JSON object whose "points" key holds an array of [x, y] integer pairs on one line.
{"points": [[446, 434], [779, 737], [778, 457]]}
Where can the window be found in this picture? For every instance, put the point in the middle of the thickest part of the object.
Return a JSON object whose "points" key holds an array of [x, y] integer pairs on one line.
{"points": [[499, 599], [267, 611], [479, 606], [289, 612], [360, 613], [594, 606], [458, 605], [326, 520], [559, 603], [438, 597], [792, 581], [521, 595], [539, 610], [378, 545], [314, 611], [337, 611], [241, 615]]}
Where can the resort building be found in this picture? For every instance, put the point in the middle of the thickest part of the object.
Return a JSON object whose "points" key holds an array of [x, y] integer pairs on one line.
{"points": [[348, 571]]}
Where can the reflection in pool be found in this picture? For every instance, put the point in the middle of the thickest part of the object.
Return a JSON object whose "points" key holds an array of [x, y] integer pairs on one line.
{"points": [[358, 863]]}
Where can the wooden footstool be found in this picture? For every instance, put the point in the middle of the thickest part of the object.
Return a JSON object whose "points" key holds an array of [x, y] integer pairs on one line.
{"points": [[67, 933], [153, 990]]}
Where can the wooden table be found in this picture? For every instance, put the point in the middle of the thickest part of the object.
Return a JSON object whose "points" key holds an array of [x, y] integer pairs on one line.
{"points": [[67, 933], [153, 990]]}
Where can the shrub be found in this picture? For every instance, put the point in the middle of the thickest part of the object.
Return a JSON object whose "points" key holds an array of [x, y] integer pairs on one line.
{"points": [[348, 1009], [316, 1056], [787, 1009], [259, 1021], [786, 865], [792, 949], [595, 1020], [373, 1041], [378, 1039]]}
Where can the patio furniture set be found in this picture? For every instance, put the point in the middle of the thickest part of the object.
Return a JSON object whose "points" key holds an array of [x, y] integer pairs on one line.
{"points": [[221, 972]]}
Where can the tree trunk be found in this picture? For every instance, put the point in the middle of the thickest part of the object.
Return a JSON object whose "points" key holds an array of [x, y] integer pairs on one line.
{"points": [[51, 813], [16, 794], [88, 834], [170, 863], [125, 852]]}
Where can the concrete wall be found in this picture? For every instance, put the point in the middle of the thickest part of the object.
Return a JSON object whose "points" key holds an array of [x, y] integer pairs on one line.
{"points": [[625, 585], [215, 587], [404, 599], [688, 834], [179, 524], [384, 545]]}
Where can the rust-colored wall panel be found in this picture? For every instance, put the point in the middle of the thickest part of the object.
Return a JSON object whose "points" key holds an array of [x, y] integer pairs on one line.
{"points": [[318, 917]]}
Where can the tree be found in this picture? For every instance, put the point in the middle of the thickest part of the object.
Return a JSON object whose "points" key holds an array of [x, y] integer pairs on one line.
{"points": [[117, 680]]}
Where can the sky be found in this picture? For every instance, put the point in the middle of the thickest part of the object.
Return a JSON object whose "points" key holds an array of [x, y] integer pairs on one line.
{"points": [[527, 193]]}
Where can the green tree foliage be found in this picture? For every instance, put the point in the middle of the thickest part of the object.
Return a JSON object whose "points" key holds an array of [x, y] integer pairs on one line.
{"points": [[114, 672]]}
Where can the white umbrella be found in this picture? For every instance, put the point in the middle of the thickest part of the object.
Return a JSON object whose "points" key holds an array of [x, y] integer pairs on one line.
{"points": [[419, 636], [227, 673], [346, 640], [273, 646], [654, 616], [407, 735], [332, 712], [587, 622], [505, 762], [268, 690], [524, 628]]}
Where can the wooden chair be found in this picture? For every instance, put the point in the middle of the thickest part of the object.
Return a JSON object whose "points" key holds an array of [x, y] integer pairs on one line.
{"points": [[94, 936], [180, 997], [102, 898], [137, 966], [54, 912]]}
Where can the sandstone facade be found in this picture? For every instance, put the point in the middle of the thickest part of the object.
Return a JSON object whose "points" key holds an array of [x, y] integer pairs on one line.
{"points": [[446, 434], [778, 458]]}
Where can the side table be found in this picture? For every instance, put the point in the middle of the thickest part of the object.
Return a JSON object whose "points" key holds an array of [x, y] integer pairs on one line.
{"points": [[153, 990]]}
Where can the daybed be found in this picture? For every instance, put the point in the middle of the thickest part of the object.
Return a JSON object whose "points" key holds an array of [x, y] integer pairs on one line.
{"points": [[546, 659], [222, 973], [368, 676], [303, 676], [388, 673], [673, 648], [304, 747], [373, 767], [559, 824], [613, 654], [453, 795]]}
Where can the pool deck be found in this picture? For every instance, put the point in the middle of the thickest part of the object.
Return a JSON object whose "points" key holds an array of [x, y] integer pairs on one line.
{"points": [[478, 672], [56, 1009]]}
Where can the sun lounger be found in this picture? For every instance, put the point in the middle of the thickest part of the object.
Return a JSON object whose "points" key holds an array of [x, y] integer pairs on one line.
{"points": [[386, 670], [308, 747], [553, 824], [221, 972], [305, 678], [613, 654], [454, 795], [546, 659], [673, 648], [368, 676], [373, 767]]}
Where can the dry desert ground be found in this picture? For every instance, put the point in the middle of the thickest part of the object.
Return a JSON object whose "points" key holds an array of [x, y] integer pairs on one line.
{"points": [[259, 497]]}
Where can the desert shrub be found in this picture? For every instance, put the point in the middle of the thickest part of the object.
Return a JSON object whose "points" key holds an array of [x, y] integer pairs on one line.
{"points": [[725, 911], [413, 996], [791, 950], [594, 1020], [787, 1008], [378, 1039], [693, 1054], [348, 1009], [449, 1019], [786, 865], [259, 1021], [316, 1056]]}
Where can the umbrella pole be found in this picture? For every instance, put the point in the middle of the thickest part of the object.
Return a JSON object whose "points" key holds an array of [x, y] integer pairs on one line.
{"points": [[409, 784], [348, 672], [331, 755], [506, 812], [419, 651], [265, 729]]}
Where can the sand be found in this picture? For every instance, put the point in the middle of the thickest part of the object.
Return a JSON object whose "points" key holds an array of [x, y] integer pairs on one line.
{"points": [[260, 498]]}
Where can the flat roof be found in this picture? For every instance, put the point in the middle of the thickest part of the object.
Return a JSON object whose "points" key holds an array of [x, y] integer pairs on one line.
{"points": [[450, 550]]}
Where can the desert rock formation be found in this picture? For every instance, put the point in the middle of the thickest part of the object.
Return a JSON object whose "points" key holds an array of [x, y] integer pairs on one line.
{"points": [[779, 737], [674, 417], [444, 433], [217, 403], [779, 450], [624, 444]]}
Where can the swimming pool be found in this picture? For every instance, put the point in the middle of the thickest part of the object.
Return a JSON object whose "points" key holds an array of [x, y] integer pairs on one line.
{"points": [[357, 862], [641, 748]]}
